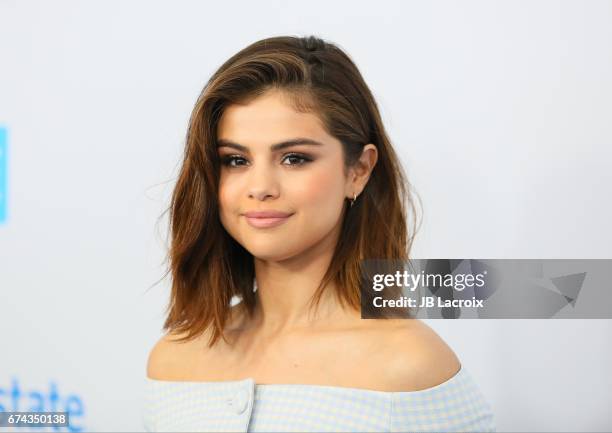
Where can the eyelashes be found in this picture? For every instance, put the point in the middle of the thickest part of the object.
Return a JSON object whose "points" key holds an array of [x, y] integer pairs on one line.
{"points": [[228, 160]]}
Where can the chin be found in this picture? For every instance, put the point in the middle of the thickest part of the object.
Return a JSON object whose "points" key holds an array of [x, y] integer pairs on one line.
{"points": [[272, 251]]}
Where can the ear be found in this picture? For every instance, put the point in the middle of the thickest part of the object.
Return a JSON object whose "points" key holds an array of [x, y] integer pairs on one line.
{"points": [[359, 173]]}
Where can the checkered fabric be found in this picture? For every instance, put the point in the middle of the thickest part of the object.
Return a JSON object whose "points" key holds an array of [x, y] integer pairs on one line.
{"points": [[243, 406]]}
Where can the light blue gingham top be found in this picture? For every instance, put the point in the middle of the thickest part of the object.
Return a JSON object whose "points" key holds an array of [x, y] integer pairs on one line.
{"points": [[243, 406]]}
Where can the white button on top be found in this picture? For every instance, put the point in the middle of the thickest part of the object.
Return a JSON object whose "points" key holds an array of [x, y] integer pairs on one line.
{"points": [[239, 401]]}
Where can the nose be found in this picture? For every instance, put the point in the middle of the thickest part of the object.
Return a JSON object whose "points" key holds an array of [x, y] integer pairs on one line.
{"points": [[262, 183]]}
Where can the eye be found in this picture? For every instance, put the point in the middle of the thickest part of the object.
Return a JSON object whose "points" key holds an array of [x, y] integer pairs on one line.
{"points": [[303, 158], [228, 160]]}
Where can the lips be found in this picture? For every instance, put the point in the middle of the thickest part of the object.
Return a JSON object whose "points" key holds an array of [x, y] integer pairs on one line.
{"points": [[265, 219]]}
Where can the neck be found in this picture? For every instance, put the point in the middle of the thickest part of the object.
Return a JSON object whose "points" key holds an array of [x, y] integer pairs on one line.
{"points": [[284, 290]]}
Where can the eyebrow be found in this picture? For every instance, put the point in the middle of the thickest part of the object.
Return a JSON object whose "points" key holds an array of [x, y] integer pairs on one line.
{"points": [[278, 146]]}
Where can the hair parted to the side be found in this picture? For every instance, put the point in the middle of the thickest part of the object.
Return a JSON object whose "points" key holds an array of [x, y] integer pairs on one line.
{"points": [[208, 267]]}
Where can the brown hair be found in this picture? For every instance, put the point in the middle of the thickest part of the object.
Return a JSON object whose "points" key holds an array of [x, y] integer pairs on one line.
{"points": [[208, 266]]}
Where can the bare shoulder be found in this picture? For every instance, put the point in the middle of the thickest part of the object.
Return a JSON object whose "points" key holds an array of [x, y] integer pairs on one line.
{"points": [[165, 357], [173, 359], [415, 356]]}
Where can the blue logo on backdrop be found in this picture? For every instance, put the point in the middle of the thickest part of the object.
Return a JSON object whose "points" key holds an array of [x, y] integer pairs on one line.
{"points": [[16, 399], [3, 173]]}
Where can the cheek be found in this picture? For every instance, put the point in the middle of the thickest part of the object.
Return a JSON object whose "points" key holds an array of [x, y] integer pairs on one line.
{"points": [[228, 198], [322, 188]]}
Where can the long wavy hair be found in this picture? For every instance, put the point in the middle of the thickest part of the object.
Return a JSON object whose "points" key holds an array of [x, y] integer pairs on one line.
{"points": [[208, 267]]}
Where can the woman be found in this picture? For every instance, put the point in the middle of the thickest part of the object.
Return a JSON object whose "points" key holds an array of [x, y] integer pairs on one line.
{"points": [[288, 182]]}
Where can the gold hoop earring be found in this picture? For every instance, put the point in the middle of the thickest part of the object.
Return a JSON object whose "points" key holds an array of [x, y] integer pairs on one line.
{"points": [[353, 200]]}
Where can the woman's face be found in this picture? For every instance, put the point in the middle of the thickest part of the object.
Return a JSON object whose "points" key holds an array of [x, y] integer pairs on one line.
{"points": [[304, 181]]}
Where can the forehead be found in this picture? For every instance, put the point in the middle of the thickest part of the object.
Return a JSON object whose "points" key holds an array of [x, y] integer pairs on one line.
{"points": [[268, 118]]}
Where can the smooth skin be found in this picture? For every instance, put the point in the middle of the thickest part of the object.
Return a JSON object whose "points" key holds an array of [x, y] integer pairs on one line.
{"points": [[283, 343]]}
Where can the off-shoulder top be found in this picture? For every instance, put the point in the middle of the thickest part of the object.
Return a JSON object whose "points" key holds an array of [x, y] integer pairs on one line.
{"points": [[244, 406]]}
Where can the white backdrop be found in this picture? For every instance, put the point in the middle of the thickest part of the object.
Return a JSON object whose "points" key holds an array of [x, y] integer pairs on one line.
{"points": [[500, 111]]}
